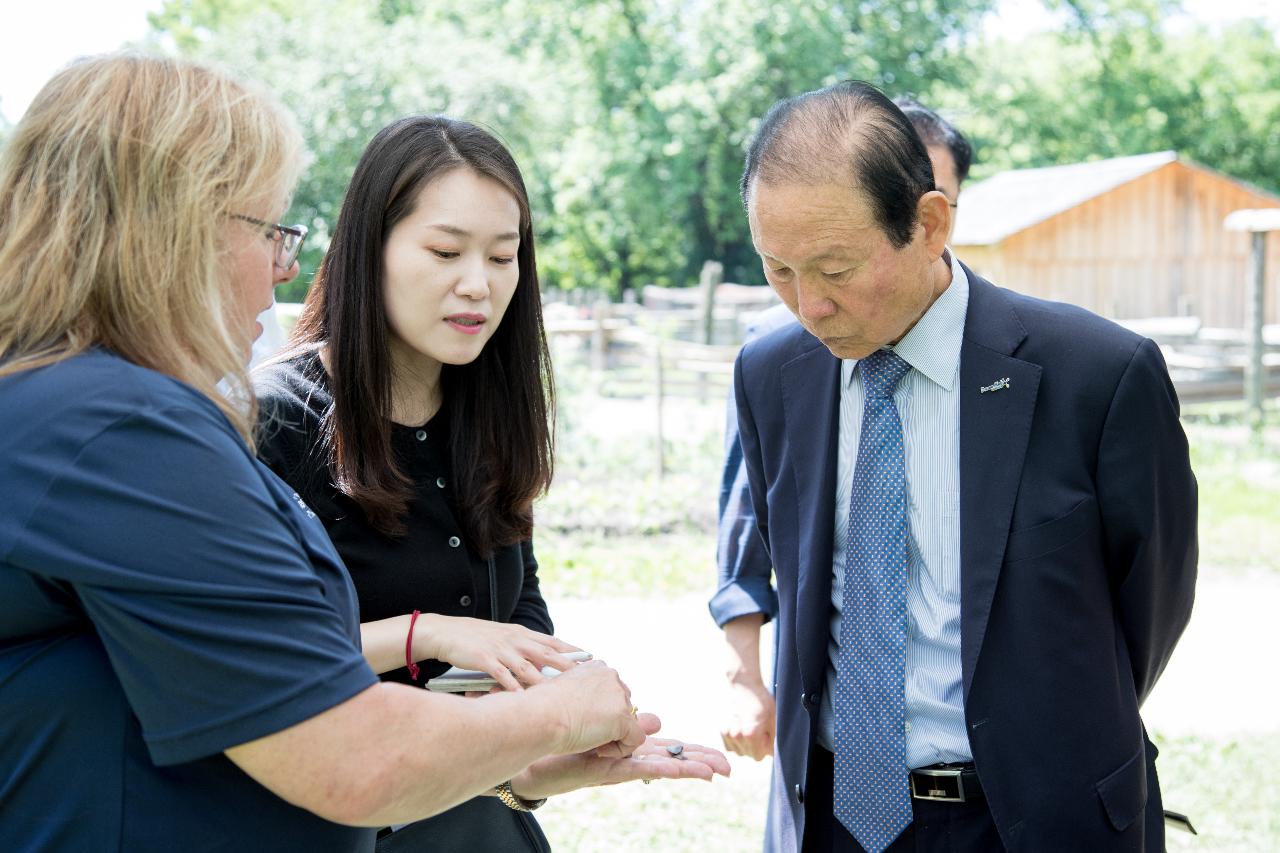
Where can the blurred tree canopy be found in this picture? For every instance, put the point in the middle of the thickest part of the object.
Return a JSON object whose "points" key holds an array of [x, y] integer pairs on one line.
{"points": [[1113, 85], [630, 119]]}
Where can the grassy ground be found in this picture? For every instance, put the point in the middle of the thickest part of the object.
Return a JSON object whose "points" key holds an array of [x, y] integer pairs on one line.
{"points": [[1239, 481], [1220, 783], [1216, 781], [611, 527], [726, 816]]}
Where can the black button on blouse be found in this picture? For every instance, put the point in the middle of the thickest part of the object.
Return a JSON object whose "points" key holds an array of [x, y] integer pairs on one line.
{"points": [[430, 568]]}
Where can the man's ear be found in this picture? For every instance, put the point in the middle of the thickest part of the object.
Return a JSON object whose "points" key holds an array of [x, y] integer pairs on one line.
{"points": [[933, 212]]}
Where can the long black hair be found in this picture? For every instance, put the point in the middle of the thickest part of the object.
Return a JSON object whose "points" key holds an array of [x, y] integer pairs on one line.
{"points": [[501, 404]]}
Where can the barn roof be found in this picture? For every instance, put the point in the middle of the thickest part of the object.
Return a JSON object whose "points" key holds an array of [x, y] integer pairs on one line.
{"points": [[1012, 201]]}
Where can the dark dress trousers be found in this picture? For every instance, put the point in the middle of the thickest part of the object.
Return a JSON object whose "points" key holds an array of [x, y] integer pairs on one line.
{"points": [[1078, 560]]}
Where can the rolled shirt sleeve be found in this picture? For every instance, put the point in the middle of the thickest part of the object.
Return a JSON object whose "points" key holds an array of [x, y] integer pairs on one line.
{"points": [[743, 565], [224, 611]]}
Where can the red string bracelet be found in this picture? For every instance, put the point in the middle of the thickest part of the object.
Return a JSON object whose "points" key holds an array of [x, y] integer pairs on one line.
{"points": [[408, 648]]}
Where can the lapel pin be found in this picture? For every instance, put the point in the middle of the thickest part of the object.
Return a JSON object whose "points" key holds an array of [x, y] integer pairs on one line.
{"points": [[998, 385]]}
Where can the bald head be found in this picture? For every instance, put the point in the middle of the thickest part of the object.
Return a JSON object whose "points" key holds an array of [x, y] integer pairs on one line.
{"points": [[851, 134]]}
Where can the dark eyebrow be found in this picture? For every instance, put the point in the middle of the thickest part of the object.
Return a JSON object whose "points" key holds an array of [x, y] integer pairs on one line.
{"points": [[462, 232]]}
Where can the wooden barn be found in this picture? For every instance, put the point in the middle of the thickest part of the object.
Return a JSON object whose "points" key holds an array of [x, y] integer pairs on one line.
{"points": [[1126, 238]]}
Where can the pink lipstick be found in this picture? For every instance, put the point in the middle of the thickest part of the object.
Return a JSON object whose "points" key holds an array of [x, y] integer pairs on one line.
{"points": [[467, 324]]}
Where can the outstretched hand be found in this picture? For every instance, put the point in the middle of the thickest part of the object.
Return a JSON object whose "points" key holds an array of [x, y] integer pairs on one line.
{"points": [[559, 774]]}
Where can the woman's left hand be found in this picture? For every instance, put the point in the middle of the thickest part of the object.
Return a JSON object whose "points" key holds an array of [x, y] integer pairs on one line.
{"points": [[512, 654], [558, 774]]}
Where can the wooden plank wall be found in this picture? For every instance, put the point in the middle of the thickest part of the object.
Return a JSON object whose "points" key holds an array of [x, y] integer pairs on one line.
{"points": [[1154, 247]]}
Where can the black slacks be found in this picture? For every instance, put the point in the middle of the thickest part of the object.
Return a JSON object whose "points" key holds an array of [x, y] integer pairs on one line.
{"points": [[935, 827]]}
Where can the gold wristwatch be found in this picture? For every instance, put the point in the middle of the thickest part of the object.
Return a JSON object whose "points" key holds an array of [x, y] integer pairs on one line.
{"points": [[511, 801]]}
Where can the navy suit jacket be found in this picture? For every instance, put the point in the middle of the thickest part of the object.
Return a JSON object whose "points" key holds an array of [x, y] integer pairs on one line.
{"points": [[1078, 560]]}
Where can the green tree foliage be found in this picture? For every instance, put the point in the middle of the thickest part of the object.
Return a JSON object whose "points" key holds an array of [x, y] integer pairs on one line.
{"points": [[631, 118], [346, 73], [190, 23], [1119, 85], [665, 96]]}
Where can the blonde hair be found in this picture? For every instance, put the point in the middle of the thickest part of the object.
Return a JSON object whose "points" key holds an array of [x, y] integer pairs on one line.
{"points": [[114, 193]]}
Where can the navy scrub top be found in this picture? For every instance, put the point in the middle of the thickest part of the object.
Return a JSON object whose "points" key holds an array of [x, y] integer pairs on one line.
{"points": [[163, 597]]}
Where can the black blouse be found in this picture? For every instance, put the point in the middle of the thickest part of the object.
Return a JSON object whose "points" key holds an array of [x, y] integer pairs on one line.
{"points": [[430, 568]]}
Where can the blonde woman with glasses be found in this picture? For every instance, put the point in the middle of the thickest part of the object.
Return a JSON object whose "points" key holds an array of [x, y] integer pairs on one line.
{"points": [[179, 642]]}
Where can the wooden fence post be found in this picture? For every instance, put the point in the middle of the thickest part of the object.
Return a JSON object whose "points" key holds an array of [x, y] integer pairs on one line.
{"points": [[600, 336], [659, 391], [711, 277], [1258, 223], [1254, 370]]}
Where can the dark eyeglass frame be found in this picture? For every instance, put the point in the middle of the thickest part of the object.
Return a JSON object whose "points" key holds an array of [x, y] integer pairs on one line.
{"points": [[288, 239]]}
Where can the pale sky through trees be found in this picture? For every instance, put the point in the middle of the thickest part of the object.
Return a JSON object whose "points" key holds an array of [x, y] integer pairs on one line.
{"points": [[37, 39]]}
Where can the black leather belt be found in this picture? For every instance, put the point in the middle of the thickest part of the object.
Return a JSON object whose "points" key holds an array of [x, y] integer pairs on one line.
{"points": [[948, 783]]}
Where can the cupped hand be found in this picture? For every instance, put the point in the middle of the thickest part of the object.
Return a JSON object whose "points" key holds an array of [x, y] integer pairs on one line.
{"points": [[749, 730], [512, 654], [559, 774]]}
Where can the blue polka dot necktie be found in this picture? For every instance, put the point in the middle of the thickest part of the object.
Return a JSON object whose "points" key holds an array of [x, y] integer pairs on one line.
{"points": [[871, 796]]}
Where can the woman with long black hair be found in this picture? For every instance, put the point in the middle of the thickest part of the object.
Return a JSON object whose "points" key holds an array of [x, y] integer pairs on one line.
{"points": [[412, 412]]}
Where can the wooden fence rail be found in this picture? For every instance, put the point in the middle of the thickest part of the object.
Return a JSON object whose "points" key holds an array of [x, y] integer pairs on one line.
{"points": [[633, 353]]}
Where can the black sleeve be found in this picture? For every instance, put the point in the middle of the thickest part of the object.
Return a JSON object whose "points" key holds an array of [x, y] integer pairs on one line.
{"points": [[277, 451], [531, 609], [286, 435], [1147, 494]]}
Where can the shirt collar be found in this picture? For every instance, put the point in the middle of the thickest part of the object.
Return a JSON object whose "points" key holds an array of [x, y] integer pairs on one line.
{"points": [[933, 344]]}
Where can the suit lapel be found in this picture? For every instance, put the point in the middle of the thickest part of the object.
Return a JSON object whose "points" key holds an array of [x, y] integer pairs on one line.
{"points": [[810, 399], [995, 426]]}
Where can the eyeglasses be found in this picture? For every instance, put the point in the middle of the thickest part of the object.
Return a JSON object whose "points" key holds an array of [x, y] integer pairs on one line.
{"points": [[288, 239]]}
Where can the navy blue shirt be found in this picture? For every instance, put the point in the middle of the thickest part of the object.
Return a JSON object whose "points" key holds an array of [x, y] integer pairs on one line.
{"points": [[163, 597]]}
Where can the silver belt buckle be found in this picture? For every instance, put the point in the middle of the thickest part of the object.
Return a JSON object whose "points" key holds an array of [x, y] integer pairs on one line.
{"points": [[937, 793]]}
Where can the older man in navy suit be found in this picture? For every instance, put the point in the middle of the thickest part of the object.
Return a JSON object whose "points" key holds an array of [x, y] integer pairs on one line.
{"points": [[745, 597], [979, 509]]}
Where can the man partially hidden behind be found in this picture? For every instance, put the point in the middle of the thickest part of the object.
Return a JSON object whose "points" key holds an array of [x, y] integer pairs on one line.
{"points": [[979, 509]]}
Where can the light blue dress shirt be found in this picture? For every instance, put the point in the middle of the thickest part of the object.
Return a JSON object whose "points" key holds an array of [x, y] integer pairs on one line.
{"points": [[928, 403]]}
